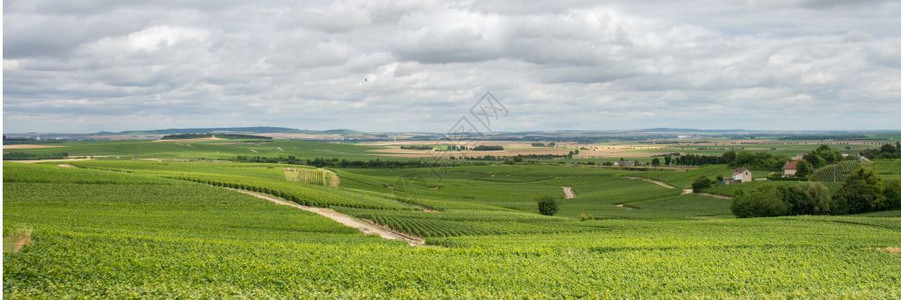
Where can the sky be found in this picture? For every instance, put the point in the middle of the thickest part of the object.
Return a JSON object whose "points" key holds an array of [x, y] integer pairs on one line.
{"points": [[93, 65]]}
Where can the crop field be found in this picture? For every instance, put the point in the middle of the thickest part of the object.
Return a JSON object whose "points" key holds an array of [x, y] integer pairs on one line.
{"points": [[888, 168], [215, 149], [161, 227]]}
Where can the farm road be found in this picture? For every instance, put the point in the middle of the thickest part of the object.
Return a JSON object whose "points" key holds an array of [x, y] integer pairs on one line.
{"points": [[660, 183], [684, 191], [365, 227]]}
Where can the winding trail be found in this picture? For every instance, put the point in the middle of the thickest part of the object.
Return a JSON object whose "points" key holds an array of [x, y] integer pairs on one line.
{"points": [[568, 191], [715, 196], [363, 226], [684, 191], [660, 183]]}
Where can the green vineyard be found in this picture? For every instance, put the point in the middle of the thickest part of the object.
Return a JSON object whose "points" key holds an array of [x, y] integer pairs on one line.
{"points": [[429, 228], [111, 228], [838, 172], [321, 177]]}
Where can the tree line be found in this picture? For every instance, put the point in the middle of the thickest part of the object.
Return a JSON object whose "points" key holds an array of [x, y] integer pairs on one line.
{"points": [[230, 136], [34, 156], [863, 191], [886, 151]]}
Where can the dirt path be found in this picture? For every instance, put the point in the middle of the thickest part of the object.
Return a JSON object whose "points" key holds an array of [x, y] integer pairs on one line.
{"points": [[568, 191], [660, 183], [365, 227], [715, 196], [65, 166]]}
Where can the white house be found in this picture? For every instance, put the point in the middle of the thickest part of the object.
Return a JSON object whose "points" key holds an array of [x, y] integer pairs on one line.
{"points": [[790, 168], [742, 175]]}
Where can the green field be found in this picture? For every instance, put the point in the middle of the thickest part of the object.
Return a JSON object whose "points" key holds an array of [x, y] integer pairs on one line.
{"points": [[132, 228], [209, 149]]}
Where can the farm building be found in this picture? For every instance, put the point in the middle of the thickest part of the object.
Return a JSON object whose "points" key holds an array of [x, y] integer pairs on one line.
{"points": [[624, 163], [742, 175], [790, 168]]}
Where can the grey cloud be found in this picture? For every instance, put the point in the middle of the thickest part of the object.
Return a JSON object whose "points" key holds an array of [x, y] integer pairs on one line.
{"points": [[419, 65]]}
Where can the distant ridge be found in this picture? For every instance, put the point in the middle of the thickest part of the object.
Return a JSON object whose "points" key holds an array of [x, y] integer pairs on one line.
{"points": [[258, 129]]}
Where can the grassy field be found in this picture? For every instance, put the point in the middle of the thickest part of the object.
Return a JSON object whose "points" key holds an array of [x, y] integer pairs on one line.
{"points": [[170, 229], [210, 149]]}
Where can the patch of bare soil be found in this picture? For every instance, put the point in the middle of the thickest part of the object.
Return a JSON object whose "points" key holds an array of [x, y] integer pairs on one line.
{"points": [[660, 183], [893, 250], [21, 241], [568, 191], [14, 244], [624, 206], [687, 191], [65, 166], [29, 146], [363, 226]]}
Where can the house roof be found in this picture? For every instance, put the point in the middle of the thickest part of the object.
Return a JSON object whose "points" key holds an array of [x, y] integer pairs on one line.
{"points": [[739, 171], [791, 165]]}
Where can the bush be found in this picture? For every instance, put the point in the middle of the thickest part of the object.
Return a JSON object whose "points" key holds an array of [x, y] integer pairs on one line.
{"points": [[765, 201], [804, 169], [547, 205], [758, 161], [701, 183], [861, 192], [893, 195], [806, 198]]}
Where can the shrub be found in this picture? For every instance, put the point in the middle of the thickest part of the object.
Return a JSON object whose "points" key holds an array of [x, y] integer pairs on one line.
{"points": [[765, 201], [547, 205], [585, 217], [701, 183], [893, 195], [806, 198], [804, 169], [861, 192]]}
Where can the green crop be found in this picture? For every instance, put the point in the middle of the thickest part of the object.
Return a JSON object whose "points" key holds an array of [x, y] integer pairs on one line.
{"points": [[148, 229]]}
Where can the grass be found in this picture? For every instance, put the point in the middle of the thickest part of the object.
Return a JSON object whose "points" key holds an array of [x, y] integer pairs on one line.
{"points": [[125, 229]]}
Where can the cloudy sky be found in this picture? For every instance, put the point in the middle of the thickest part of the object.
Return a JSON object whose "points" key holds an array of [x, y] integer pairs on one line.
{"points": [[84, 66]]}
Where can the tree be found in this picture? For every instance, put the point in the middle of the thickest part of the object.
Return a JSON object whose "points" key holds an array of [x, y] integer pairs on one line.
{"points": [[814, 160], [893, 195], [861, 192], [765, 201], [701, 183], [655, 162], [547, 205], [806, 198], [667, 160], [804, 169], [728, 157]]}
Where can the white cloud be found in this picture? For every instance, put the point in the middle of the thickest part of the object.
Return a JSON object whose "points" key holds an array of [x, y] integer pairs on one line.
{"points": [[419, 65]]}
